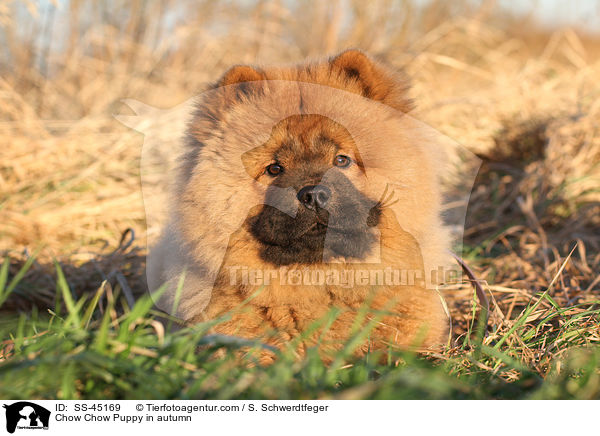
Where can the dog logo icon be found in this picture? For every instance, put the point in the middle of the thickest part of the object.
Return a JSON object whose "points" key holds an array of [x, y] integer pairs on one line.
{"points": [[26, 415]]}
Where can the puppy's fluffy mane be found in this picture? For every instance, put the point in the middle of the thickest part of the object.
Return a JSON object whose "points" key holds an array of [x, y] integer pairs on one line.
{"points": [[215, 194]]}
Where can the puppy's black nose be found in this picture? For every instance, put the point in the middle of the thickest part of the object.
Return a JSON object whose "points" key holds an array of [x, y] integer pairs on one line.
{"points": [[314, 196]]}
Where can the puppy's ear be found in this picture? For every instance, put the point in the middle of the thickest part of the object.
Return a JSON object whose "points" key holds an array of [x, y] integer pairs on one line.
{"points": [[377, 82], [239, 80], [241, 74], [356, 65]]}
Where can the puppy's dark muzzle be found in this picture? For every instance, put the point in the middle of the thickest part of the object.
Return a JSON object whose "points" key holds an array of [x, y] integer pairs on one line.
{"points": [[314, 197]]}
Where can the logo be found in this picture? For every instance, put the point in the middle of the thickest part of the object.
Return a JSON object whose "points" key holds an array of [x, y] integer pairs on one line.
{"points": [[26, 415]]}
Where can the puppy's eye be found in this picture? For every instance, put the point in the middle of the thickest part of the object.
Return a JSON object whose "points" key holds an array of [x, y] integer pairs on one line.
{"points": [[274, 169], [342, 161]]}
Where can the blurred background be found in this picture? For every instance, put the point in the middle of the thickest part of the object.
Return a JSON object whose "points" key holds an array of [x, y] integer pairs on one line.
{"points": [[515, 83]]}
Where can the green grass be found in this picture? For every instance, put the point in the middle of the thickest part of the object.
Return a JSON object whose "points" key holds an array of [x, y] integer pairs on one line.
{"points": [[82, 349]]}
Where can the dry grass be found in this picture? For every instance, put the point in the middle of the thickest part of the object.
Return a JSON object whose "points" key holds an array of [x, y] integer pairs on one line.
{"points": [[526, 102]]}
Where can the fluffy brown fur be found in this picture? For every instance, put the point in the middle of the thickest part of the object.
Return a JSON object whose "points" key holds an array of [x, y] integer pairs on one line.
{"points": [[382, 210]]}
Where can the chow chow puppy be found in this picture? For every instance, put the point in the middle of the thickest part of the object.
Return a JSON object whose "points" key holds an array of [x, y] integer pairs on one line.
{"points": [[307, 210]]}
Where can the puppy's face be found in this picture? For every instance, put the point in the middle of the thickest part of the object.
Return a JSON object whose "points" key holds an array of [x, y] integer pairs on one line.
{"points": [[314, 206], [299, 157]]}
